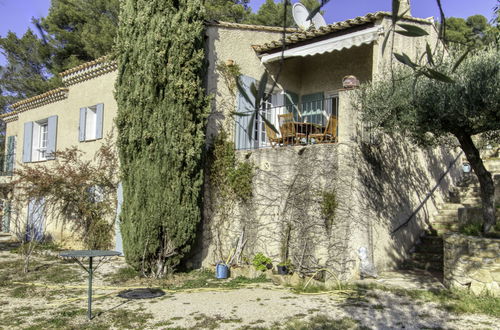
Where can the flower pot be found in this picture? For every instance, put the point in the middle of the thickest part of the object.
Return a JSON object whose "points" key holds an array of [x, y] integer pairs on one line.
{"points": [[282, 270]]}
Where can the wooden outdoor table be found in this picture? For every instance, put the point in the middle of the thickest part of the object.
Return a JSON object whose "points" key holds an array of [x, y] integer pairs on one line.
{"points": [[91, 254], [307, 128]]}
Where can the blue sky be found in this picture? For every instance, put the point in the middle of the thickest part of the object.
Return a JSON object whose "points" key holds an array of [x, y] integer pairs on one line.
{"points": [[15, 15]]}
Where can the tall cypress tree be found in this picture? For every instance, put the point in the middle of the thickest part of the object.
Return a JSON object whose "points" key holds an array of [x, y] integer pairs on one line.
{"points": [[161, 121]]}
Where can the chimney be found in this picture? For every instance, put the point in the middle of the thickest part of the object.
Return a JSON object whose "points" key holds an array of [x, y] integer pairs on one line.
{"points": [[404, 7]]}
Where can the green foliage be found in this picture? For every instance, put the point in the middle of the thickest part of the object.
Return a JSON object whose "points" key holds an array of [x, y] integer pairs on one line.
{"points": [[471, 229], [473, 31], [161, 122], [230, 177], [270, 13], [74, 31], [79, 31], [261, 262], [230, 74], [227, 10], [428, 109], [329, 206], [69, 188], [25, 74]]}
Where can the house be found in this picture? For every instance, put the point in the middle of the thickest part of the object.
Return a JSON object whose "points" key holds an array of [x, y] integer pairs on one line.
{"points": [[360, 201]]}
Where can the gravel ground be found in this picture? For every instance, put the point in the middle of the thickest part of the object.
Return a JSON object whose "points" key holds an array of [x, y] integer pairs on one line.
{"points": [[261, 305]]}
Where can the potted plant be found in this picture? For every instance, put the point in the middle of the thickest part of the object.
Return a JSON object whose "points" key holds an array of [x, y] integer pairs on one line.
{"points": [[284, 267], [262, 262]]}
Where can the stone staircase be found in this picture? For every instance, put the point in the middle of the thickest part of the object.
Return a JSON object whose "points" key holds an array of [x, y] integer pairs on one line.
{"points": [[464, 202]]}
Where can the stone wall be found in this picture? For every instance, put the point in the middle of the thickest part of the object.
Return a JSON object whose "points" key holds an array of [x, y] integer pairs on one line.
{"points": [[472, 263]]}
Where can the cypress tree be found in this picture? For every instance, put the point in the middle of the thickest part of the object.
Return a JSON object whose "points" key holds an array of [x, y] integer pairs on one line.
{"points": [[161, 121]]}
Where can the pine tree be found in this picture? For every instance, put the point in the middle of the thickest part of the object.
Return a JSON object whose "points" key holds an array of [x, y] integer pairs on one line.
{"points": [[25, 74], [161, 119], [270, 13], [79, 30], [227, 10]]}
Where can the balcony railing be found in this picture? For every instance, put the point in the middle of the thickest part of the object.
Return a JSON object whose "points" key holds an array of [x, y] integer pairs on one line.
{"points": [[316, 112]]}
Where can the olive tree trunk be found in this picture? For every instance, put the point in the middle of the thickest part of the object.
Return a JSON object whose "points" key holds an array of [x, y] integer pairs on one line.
{"points": [[485, 181]]}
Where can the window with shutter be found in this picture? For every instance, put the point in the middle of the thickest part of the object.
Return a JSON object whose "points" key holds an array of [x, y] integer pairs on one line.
{"points": [[91, 123], [40, 140]]}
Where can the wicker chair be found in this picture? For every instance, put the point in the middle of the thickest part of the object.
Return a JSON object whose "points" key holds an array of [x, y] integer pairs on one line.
{"points": [[329, 134], [272, 137], [287, 129]]}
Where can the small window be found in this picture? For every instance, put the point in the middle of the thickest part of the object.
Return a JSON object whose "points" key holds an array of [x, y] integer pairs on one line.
{"points": [[90, 123], [40, 140], [91, 119]]}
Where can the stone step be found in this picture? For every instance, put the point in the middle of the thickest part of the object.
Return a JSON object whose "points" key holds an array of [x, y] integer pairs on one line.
{"points": [[449, 206], [445, 218], [7, 238], [431, 240], [429, 248], [448, 212], [425, 265], [427, 257], [453, 226]]}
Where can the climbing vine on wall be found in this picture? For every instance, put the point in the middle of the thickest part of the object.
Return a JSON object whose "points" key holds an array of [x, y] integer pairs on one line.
{"points": [[231, 178]]}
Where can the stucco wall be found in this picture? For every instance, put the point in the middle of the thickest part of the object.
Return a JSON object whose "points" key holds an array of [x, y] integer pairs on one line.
{"points": [[225, 43], [380, 183], [87, 93]]}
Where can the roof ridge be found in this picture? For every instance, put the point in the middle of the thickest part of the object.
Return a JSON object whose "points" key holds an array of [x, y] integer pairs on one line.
{"points": [[55, 94], [330, 28]]}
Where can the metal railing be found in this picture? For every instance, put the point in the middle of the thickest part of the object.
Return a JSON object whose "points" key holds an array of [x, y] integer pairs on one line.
{"points": [[317, 112]]}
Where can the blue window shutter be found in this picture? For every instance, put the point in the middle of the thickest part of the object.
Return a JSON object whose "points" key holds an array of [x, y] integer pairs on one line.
{"points": [[11, 145], [27, 141], [81, 127], [99, 120], [242, 139], [292, 103], [6, 217], [52, 136]]}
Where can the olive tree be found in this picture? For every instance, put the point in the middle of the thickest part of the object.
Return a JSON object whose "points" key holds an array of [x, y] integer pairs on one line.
{"points": [[459, 97]]}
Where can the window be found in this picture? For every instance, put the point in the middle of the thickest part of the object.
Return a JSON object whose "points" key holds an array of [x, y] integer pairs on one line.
{"points": [[41, 133], [91, 119], [39, 141], [10, 155]]}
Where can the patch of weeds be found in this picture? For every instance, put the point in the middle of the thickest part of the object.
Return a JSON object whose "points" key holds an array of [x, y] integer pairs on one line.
{"points": [[205, 279], [162, 324], [313, 310], [288, 297], [24, 291], [176, 318], [126, 319], [456, 301], [321, 322], [123, 275], [231, 320], [300, 315], [378, 307], [207, 322]]}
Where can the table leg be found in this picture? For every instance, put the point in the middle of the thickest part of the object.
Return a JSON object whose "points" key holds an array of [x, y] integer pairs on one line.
{"points": [[89, 309]]}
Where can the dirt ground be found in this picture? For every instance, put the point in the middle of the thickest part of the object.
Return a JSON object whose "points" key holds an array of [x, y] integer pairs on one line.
{"points": [[53, 295]]}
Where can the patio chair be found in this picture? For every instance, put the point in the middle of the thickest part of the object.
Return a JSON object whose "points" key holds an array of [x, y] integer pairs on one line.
{"points": [[272, 137], [287, 129], [329, 134]]}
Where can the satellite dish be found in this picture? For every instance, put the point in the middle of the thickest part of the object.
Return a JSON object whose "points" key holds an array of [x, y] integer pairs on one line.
{"points": [[318, 21], [300, 14]]}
